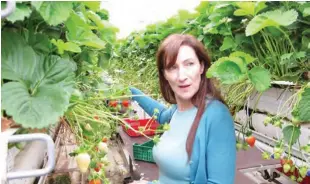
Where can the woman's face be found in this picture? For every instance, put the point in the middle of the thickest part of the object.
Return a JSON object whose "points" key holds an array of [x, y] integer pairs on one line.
{"points": [[185, 75]]}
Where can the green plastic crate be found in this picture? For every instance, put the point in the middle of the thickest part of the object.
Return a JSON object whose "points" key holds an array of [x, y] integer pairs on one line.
{"points": [[144, 152]]}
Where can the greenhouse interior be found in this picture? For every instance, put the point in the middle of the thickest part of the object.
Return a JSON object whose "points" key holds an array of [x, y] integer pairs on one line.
{"points": [[155, 91]]}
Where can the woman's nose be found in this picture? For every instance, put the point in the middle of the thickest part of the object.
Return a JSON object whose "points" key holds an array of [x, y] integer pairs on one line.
{"points": [[182, 74]]}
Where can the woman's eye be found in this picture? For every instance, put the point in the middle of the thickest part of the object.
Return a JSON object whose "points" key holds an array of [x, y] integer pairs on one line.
{"points": [[190, 64]]}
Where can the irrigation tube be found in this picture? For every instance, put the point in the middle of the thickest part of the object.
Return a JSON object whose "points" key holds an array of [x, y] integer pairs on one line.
{"points": [[10, 7], [50, 153]]}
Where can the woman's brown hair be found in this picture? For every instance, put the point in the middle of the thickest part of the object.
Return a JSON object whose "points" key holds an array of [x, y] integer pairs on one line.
{"points": [[166, 58]]}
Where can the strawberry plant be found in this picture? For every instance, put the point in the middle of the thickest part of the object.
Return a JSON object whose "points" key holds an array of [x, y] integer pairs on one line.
{"points": [[234, 69], [46, 45]]}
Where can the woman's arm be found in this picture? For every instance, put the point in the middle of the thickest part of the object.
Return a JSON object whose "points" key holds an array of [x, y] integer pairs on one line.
{"points": [[148, 104], [221, 145]]}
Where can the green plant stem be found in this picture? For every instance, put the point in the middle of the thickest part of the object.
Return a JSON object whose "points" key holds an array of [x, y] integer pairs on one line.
{"points": [[301, 152], [303, 21], [77, 122], [116, 118], [255, 106], [288, 38]]}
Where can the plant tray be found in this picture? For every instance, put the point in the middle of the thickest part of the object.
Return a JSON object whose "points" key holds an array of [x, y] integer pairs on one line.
{"points": [[135, 124], [144, 152]]}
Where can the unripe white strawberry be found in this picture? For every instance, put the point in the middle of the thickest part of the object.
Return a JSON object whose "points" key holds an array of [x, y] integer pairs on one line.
{"points": [[102, 146], [83, 160]]}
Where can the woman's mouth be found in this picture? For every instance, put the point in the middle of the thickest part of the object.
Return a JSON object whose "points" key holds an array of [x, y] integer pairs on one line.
{"points": [[184, 86]]}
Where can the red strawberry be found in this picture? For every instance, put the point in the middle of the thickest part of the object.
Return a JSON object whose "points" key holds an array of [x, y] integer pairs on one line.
{"points": [[97, 169], [286, 161], [104, 139], [126, 103], [95, 181], [251, 141], [113, 103]]}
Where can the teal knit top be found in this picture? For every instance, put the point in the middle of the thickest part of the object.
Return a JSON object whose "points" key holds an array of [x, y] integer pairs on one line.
{"points": [[173, 165]]}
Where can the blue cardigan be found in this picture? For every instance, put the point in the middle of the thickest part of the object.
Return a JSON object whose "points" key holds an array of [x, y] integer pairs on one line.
{"points": [[213, 159]]}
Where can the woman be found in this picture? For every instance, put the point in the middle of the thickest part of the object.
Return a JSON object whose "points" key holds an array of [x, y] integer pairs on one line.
{"points": [[199, 147]]}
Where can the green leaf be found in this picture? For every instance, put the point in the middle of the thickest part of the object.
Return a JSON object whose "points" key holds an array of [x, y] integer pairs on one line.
{"points": [[101, 24], [35, 111], [42, 84], [241, 38], [104, 14], [291, 134], [246, 8], [103, 60], [301, 109], [80, 33], [300, 54], [210, 28], [90, 57], [240, 62], [228, 72], [21, 12], [96, 19], [214, 69], [228, 43], [23, 61], [260, 77], [93, 5], [247, 58], [211, 72], [40, 43], [200, 37], [285, 58], [291, 59], [202, 7], [240, 12], [259, 6], [306, 12], [53, 13], [68, 46], [274, 18], [108, 35], [305, 42]]}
